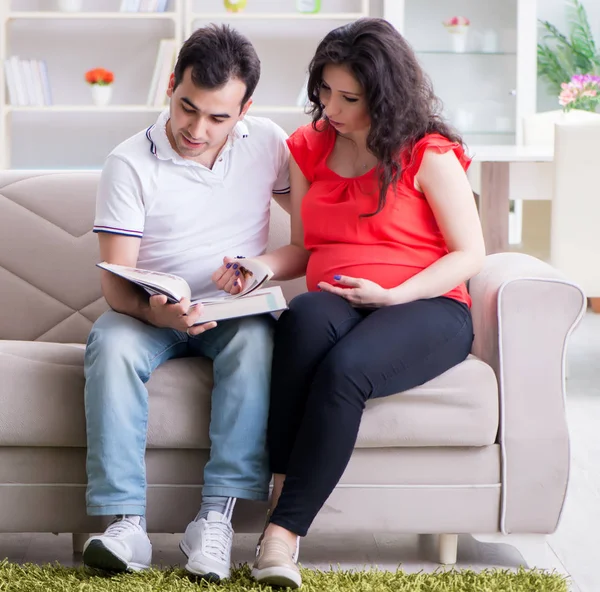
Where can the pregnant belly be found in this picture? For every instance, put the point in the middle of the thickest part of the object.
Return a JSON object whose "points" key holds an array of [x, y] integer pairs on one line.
{"points": [[387, 275], [323, 266]]}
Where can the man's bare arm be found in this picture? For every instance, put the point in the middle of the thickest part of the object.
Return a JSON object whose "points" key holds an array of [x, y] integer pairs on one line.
{"points": [[127, 298], [122, 295], [284, 200]]}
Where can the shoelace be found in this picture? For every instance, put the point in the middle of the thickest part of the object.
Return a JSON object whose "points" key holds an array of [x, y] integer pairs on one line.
{"points": [[119, 527], [217, 537]]}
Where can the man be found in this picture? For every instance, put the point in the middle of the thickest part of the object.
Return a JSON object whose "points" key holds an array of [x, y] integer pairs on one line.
{"points": [[178, 197]]}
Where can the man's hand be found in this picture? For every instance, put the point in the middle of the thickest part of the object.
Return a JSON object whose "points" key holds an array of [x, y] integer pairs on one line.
{"points": [[229, 277], [177, 316], [361, 293]]}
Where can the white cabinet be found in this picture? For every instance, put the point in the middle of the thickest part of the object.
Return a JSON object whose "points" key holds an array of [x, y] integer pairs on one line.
{"points": [[488, 85]]}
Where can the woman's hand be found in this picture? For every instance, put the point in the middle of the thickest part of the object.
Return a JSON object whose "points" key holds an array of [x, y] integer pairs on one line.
{"points": [[229, 277], [361, 293]]}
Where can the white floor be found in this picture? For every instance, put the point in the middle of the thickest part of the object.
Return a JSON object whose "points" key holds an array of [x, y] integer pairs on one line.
{"points": [[572, 550]]}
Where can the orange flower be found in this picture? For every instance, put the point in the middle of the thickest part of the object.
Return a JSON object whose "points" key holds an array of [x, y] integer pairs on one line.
{"points": [[99, 76]]}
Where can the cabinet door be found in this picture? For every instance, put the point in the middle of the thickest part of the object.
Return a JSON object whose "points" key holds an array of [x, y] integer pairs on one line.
{"points": [[484, 72]]}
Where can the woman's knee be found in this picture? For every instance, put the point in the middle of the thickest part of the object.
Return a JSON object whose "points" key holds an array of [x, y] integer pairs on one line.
{"points": [[313, 310], [341, 377]]}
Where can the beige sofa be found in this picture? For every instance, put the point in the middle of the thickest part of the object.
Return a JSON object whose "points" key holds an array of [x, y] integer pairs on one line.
{"points": [[483, 448]]}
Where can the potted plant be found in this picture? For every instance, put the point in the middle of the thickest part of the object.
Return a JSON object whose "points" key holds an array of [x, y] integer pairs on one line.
{"points": [[459, 27], [561, 56], [100, 81]]}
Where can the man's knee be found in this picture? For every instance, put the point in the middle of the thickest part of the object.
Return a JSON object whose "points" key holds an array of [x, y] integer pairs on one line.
{"points": [[250, 342], [113, 341]]}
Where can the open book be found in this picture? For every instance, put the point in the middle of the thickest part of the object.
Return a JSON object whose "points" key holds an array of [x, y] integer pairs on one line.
{"points": [[252, 300]]}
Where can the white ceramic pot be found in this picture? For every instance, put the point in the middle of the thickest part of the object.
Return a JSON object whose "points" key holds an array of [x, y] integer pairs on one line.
{"points": [[101, 94], [69, 5], [459, 38]]}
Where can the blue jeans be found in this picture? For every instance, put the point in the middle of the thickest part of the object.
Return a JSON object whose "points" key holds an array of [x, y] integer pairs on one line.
{"points": [[121, 354]]}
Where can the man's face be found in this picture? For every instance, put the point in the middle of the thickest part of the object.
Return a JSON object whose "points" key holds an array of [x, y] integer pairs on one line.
{"points": [[201, 119]]}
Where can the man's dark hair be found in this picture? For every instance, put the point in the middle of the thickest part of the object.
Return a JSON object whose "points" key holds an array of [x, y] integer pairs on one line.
{"points": [[216, 54]]}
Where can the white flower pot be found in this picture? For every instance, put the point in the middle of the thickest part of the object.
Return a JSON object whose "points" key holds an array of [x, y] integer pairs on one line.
{"points": [[459, 42], [459, 36], [69, 5], [101, 94]]}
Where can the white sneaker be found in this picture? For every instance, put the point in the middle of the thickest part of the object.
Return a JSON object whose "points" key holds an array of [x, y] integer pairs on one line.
{"points": [[124, 546], [207, 545]]}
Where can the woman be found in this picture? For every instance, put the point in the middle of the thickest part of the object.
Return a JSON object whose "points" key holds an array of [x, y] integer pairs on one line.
{"points": [[385, 225]]}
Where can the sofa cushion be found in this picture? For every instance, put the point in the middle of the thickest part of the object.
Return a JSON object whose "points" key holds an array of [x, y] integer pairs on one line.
{"points": [[48, 255], [42, 403]]}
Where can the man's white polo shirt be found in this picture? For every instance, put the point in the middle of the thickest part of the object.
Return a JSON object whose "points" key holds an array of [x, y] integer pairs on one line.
{"points": [[188, 216]]}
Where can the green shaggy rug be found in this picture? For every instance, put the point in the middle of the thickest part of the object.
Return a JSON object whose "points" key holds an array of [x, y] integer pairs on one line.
{"points": [[55, 578]]}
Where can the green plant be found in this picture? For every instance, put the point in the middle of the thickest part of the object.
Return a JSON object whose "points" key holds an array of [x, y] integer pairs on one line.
{"points": [[560, 57]]}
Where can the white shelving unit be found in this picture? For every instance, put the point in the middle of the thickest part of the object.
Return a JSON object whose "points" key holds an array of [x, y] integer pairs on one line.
{"points": [[102, 19], [269, 24], [285, 41]]}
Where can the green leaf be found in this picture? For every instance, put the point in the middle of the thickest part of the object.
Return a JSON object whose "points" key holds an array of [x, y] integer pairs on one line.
{"points": [[561, 56]]}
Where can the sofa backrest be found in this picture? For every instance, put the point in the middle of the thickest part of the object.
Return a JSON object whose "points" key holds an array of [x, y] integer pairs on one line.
{"points": [[49, 283]]}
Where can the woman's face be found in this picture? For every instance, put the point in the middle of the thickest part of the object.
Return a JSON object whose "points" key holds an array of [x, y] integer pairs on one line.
{"points": [[343, 100]]}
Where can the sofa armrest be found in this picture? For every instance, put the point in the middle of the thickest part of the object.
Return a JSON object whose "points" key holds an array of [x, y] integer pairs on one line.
{"points": [[524, 311]]}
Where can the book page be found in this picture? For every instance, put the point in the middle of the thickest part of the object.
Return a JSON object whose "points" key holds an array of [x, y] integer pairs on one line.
{"points": [[255, 274], [172, 286]]}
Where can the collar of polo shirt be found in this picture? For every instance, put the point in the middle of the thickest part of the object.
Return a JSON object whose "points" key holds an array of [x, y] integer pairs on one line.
{"points": [[162, 149]]}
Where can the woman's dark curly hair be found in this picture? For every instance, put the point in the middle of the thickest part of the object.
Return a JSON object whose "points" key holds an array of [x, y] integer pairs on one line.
{"points": [[400, 98]]}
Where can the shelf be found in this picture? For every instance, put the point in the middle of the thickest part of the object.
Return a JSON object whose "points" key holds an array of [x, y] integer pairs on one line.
{"points": [[241, 16], [485, 133], [254, 109], [57, 15], [449, 52], [83, 109], [282, 109]]}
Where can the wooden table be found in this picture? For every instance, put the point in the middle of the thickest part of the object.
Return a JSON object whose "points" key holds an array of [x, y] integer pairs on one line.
{"points": [[498, 164]]}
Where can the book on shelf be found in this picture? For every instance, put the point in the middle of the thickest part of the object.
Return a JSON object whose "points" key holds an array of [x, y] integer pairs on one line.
{"points": [[144, 5], [27, 82], [302, 99], [252, 300], [165, 62]]}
